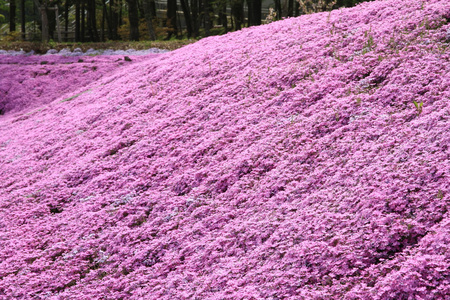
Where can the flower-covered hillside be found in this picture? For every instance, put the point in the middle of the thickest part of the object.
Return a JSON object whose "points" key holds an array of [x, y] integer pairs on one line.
{"points": [[28, 82], [304, 159]]}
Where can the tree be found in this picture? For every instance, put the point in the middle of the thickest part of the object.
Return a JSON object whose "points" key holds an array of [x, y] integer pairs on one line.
{"points": [[254, 12], [77, 21], [313, 6], [195, 17], [22, 18], [12, 15], [133, 17], [257, 12], [51, 16], [172, 18], [223, 18], [278, 8], [91, 9], [198, 14], [112, 20], [149, 14], [296, 9], [237, 12], [208, 13], [66, 19], [188, 18], [290, 8], [42, 7], [2, 8], [250, 8], [348, 3], [83, 21]]}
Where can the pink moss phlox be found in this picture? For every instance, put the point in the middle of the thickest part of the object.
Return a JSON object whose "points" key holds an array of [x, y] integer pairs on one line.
{"points": [[285, 161]]}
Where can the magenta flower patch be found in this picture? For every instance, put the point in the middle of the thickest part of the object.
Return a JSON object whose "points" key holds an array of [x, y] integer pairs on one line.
{"points": [[30, 82], [286, 161]]}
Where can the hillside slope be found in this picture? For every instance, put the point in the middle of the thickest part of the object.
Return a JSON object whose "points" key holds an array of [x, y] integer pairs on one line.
{"points": [[286, 161], [31, 82]]}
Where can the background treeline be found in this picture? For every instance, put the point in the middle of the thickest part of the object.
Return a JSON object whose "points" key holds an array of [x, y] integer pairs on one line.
{"points": [[101, 20]]}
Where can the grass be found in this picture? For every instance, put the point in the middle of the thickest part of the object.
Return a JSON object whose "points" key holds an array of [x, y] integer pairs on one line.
{"points": [[74, 96], [41, 48]]}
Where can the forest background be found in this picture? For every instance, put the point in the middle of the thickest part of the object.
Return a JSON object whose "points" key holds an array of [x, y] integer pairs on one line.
{"points": [[116, 21]]}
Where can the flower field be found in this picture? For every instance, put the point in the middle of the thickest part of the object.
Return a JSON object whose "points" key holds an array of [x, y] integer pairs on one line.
{"points": [[30, 82], [304, 159]]}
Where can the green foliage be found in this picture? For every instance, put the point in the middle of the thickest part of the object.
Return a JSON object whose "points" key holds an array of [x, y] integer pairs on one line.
{"points": [[370, 43], [42, 48], [4, 5], [418, 106], [314, 6], [70, 98], [74, 96], [11, 37], [160, 28], [51, 43]]}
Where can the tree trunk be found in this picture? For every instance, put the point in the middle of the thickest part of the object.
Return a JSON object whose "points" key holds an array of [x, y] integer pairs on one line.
{"points": [[149, 16], [51, 17], [104, 16], [201, 14], [250, 9], [77, 21], [22, 19], [153, 8], [83, 22], [171, 18], [223, 15], [278, 9], [345, 3], [256, 12], [296, 9], [113, 21], [133, 17], [119, 20], [208, 16], [66, 21], [187, 17], [91, 21], [12, 15], [237, 10], [290, 8], [195, 18], [58, 25], [44, 20], [110, 18], [45, 35]]}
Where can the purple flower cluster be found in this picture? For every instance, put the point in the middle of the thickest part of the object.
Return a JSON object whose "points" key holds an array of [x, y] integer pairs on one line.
{"points": [[30, 82], [285, 161]]}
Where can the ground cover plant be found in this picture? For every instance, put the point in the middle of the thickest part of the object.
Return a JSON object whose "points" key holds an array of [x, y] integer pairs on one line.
{"points": [[303, 159], [37, 80]]}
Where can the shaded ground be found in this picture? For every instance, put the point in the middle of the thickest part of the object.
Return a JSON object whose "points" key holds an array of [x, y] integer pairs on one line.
{"points": [[41, 48]]}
